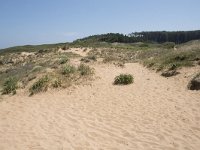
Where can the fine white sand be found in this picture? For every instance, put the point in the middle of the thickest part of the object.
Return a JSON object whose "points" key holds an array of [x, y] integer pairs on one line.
{"points": [[154, 113]]}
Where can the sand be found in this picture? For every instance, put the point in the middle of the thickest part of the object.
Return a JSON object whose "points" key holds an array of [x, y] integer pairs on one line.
{"points": [[154, 113]]}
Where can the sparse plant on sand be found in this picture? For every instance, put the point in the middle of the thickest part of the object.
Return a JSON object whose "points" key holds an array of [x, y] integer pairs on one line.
{"points": [[89, 58], [68, 69], [10, 86], [85, 70], [108, 59], [123, 79], [63, 60], [39, 86], [56, 83]]}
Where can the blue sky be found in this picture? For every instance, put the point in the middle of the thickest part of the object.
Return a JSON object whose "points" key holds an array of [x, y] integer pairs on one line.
{"points": [[50, 21]]}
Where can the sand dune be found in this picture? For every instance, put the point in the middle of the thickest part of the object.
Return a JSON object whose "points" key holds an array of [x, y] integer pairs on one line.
{"points": [[154, 113]]}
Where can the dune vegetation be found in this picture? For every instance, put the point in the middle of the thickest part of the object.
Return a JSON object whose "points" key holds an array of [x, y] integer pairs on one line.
{"points": [[26, 64]]}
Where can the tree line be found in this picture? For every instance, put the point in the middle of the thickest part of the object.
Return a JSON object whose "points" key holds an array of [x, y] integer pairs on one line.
{"points": [[152, 36]]}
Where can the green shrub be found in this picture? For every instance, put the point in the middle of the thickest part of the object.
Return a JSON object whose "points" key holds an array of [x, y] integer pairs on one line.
{"points": [[85, 70], [39, 86], [123, 79], [63, 60], [68, 69], [10, 86], [88, 58], [56, 83], [178, 59], [170, 59]]}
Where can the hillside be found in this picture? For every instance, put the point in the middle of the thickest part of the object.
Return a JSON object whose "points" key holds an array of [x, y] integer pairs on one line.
{"points": [[30, 48], [25, 62]]}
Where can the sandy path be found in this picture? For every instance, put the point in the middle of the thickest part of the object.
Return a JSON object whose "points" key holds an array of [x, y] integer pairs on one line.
{"points": [[154, 113]]}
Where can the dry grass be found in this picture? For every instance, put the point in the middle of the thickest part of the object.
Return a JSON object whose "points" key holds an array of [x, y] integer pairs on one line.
{"points": [[40, 85], [26, 70], [155, 56], [10, 86], [85, 70]]}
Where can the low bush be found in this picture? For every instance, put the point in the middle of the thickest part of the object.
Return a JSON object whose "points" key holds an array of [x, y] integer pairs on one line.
{"points": [[85, 70], [68, 69], [89, 58], [123, 79], [10, 86], [56, 83], [63, 60], [172, 60], [39, 86]]}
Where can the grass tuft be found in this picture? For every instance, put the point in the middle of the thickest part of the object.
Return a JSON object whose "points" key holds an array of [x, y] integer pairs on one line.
{"points": [[85, 70], [108, 59], [39, 86], [56, 83], [89, 58], [63, 60], [10, 86], [123, 79], [68, 69]]}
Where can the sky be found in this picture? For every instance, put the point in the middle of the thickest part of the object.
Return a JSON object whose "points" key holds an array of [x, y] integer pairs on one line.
{"points": [[24, 22]]}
